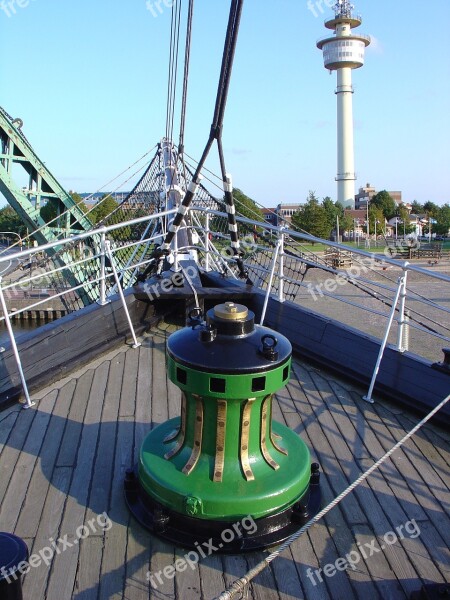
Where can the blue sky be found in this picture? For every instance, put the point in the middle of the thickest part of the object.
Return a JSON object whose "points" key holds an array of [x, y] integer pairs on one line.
{"points": [[89, 80]]}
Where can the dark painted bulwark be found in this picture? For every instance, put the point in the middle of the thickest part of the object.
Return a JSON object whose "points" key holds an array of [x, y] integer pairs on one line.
{"points": [[403, 377], [53, 350]]}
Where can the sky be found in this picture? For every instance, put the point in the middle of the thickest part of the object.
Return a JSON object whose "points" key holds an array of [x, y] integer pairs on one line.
{"points": [[89, 80]]}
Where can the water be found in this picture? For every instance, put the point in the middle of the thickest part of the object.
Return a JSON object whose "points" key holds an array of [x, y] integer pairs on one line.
{"points": [[18, 327]]}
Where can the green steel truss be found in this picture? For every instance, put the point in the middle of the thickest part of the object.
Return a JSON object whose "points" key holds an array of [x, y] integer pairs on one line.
{"points": [[18, 165], [17, 159]]}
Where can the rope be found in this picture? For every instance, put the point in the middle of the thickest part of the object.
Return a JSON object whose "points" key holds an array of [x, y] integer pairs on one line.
{"points": [[240, 584], [173, 66], [83, 200], [187, 55], [216, 127]]}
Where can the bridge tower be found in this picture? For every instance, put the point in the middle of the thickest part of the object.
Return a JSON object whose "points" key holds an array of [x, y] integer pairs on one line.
{"points": [[343, 52]]}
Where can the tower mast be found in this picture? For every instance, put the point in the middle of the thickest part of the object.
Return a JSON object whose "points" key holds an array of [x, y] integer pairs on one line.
{"points": [[342, 53]]}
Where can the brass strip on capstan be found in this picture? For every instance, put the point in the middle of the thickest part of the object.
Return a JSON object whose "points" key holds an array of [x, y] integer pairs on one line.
{"points": [[181, 431], [245, 438], [274, 436], [264, 413], [220, 440], [198, 433]]}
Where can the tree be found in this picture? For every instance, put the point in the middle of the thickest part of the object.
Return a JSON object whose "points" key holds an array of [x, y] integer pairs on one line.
{"points": [[49, 211], [312, 218], [104, 207], [416, 208], [403, 215], [386, 203], [247, 207], [345, 220], [442, 227], [331, 211], [431, 209], [376, 215], [10, 221]]}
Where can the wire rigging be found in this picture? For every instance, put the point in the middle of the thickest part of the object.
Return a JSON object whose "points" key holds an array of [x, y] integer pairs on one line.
{"points": [[187, 56], [173, 67], [215, 134]]}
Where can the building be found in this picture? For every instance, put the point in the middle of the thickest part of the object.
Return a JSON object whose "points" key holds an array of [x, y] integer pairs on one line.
{"points": [[285, 212], [359, 229], [364, 195], [270, 216]]}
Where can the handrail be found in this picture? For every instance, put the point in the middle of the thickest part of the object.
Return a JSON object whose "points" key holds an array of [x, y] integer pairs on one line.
{"points": [[283, 271]]}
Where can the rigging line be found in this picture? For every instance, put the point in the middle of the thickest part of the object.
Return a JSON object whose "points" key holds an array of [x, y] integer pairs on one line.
{"points": [[227, 59], [175, 68], [93, 194], [205, 169], [216, 126], [130, 194], [187, 57], [240, 584], [169, 83], [386, 300]]}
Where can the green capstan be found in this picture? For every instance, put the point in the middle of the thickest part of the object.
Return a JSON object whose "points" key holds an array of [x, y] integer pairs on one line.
{"points": [[225, 457], [224, 472]]}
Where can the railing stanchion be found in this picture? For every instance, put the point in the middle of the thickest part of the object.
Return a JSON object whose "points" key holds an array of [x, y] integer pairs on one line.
{"points": [[406, 330], [368, 397], [401, 314], [281, 271], [207, 233], [102, 300], [29, 403], [269, 285], [120, 291]]}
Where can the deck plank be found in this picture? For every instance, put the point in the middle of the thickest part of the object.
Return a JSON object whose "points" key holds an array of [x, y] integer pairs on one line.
{"points": [[79, 456], [112, 578], [127, 405], [20, 478], [36, 581], [38, 487]]}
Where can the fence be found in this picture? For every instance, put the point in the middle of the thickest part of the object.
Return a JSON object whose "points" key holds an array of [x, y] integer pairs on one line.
{"points": [[392, 299]]}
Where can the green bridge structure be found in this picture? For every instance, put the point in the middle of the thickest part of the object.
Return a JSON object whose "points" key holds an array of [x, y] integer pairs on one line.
{"points": [[161, 186]]}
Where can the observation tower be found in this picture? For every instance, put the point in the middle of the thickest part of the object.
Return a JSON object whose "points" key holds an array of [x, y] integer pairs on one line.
{"points": [[343, 52]]}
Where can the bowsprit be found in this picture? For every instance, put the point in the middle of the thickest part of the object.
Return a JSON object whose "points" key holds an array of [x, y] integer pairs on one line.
{"points": [[225, 458]]}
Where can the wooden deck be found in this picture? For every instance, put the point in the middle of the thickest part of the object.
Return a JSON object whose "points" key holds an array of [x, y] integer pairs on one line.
{"points": [[63, 464]]}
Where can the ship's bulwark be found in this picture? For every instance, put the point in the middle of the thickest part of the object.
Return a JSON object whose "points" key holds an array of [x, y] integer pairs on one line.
{"points": [[57, 348]]}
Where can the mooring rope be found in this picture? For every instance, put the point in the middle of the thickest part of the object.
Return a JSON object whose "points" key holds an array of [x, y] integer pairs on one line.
{"points": [[240, 585]]}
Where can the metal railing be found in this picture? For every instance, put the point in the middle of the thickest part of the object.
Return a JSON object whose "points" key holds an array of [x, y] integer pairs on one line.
{"points": [[391, 299]]}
